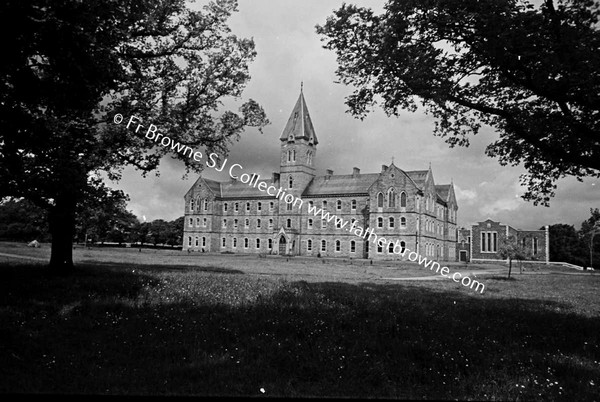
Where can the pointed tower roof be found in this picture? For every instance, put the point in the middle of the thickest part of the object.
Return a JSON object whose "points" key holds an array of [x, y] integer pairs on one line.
{"points": [[299, 124]]}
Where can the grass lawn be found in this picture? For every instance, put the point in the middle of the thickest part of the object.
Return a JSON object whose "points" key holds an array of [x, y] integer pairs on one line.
{"points": [[228, 325]]}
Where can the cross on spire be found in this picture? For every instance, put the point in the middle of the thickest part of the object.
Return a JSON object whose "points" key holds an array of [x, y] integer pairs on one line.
{"points": [[301, 85]]}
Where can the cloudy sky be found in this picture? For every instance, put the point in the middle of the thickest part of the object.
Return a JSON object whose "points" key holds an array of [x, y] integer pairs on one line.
{"points": [[289, 52]]}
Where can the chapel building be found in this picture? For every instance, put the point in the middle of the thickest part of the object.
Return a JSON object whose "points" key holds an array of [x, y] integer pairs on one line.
{"points": [[399, 205]]}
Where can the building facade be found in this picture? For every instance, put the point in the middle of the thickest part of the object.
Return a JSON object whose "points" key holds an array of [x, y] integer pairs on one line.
{"points": [[399, 205], [482, 241]]}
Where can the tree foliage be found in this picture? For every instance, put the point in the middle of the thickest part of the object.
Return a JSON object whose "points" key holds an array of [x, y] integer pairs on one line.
{"points": [[510, 249], [69, 66], [533, 74]]}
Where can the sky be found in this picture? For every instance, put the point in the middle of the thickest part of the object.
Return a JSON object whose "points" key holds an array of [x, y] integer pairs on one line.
{"points": [[290, 52]]}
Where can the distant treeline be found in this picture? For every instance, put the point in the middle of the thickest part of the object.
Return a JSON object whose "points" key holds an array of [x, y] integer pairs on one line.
{"points": [[20, 220]]}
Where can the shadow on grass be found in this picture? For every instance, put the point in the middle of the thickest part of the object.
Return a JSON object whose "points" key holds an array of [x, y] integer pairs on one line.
{"points": [[162, 331], [160, 267]]}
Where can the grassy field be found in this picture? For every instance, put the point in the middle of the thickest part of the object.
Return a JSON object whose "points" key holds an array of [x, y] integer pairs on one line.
{"points": [[166, 323]]}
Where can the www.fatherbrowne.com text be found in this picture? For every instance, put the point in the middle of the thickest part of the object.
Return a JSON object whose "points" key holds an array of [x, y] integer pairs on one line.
{"points": [[253, 180]]}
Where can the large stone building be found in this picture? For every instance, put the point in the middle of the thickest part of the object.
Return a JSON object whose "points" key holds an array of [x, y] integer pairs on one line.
{"points": [[482, 241], [398, 205]]}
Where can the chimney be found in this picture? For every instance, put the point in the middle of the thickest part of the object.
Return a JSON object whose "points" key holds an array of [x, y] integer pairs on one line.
{"points": [[355, 171], [329, 172], [383, 168], [275, 177]]}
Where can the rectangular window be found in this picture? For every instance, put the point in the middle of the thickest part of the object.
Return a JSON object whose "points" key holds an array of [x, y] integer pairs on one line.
{"points": [[197, 221], [270, 244], [323, 245], [270, 223], [235, 223], [259, 206], [535, 246], [224, 223], [323, 224], [204, 222], [353, 205], [205, 205], [288, 206], [271, 205], [257, 243], [353, 246], [234, 242], [190, 241], [223, 242], [247, 223], [489, 242], [236, 207], [197, 241], [225, 207], [204, 242], [309, 245], [310, 223], [247, 206], [191, 221]]}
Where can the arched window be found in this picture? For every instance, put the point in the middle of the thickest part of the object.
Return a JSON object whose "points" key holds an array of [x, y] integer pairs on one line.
{"points": [[257, 243], [294, 155], [338, 246], [391, 222], [192, 205], [353, 205], [323, 245], [190, 241], [309, 245], [290, 182], [196, 241], [352, 246], [403, 221], [380, 200], [402, 246], [289, 155], [403, 199], [289, 223], [324, 204], [380, 222], [391, 198], [245, 242], [234, 242], [310, 223], [390, 248]]}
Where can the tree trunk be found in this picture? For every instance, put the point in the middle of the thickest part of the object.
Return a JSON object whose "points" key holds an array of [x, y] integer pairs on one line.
{"points": [[62, 229], [509, 266]]}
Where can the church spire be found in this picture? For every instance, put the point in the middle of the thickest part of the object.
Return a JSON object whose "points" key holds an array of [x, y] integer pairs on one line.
{"points": [[299, 125]]}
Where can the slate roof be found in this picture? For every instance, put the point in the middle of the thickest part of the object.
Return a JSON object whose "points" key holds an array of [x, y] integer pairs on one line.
{"points": [[214, 186], [299, 124], [418, 176], [340, 184], [443, 190]]}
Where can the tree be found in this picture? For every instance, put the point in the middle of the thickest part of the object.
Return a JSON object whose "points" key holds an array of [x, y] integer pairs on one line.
{"points": [[590, 234], [69, 66], [512, 250], [531, 74], [566, 245], [104, 216], [21, 220]]}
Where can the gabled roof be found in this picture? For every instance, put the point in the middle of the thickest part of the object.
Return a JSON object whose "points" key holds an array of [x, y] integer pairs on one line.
{"points": [[418, 176], [443, 190], [341, 184], [214, 186], [299, 125], [237, 189]]}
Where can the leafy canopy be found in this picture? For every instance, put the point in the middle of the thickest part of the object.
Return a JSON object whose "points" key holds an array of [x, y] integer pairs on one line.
{"points": [[531, 74]]}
